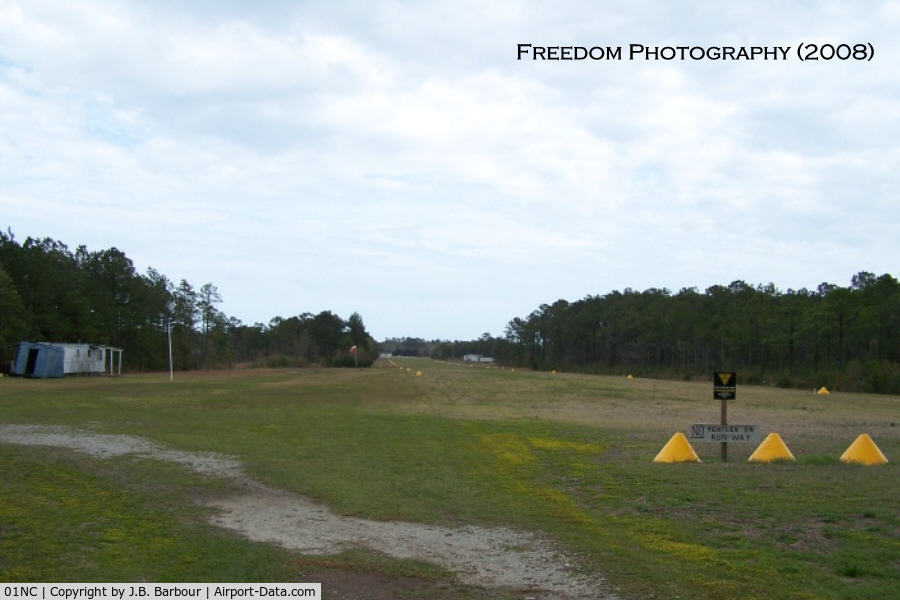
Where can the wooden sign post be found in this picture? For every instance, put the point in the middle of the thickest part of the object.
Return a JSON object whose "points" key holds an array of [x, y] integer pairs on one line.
{"points": [[724, 388]]}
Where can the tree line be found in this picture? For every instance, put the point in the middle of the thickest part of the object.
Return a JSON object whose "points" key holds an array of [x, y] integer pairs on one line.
{"points": [[408, 346], [843, 337], [51, 293]]}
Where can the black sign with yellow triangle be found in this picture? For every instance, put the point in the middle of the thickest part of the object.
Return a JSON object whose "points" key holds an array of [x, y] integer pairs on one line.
{"points": [[724, 385]]}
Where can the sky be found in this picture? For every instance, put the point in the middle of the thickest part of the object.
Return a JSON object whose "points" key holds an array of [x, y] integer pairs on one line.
{"points": [[398, 160]]}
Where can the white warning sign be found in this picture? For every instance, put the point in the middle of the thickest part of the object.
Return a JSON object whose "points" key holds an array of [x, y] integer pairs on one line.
{"points": [[709, 432]]}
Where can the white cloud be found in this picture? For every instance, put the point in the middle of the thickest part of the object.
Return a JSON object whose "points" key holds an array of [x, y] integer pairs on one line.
{"points": [[296, 146]]}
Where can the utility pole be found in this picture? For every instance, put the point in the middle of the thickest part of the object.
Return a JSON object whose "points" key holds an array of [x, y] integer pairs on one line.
{"points": [[171, 369]]}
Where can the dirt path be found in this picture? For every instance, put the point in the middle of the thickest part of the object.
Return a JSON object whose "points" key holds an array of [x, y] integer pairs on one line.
{"points": [[488, 557]]}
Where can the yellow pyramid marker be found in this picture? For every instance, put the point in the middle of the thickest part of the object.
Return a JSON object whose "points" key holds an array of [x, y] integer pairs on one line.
{"points": [[823, 391], [864, 451], [418, 373], [629, 376], [553, 372], [772, 448], [677, 449]]}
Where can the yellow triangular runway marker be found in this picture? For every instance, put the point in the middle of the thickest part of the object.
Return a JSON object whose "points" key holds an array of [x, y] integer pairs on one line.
{"points": [[677, 449], [772, 448], [823, 391], [864, 451]]}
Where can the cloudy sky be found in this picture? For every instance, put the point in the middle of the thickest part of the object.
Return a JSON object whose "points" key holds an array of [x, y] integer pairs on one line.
{"points": [[396, 159]]}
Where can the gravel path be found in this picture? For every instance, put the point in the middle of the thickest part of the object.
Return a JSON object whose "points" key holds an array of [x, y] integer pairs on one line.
{"points": [[489, 557], [102, 445]]}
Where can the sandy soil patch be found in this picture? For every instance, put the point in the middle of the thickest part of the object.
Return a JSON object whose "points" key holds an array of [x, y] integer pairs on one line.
{"points": [[108, 445], [488, 557]]}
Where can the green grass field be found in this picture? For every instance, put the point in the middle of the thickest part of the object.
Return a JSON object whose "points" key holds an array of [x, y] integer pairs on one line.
{"points": [[566, 455]]}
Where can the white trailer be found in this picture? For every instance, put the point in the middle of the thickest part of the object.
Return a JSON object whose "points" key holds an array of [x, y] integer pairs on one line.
{"points": [[90, 359]]}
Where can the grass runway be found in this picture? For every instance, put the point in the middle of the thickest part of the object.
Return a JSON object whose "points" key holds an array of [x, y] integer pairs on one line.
{"points": [[564, 455]]}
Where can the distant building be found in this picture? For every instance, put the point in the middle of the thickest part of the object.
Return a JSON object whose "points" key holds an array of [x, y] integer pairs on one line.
{"points": [[90, 358], [39, 359], [477, 358], [35, 359]]}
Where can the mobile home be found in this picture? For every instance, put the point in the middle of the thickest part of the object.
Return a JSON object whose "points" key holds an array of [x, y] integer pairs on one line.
{"points": [[83, 358]]}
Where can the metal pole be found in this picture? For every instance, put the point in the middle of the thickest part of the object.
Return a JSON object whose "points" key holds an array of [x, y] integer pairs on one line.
{"points": [[724, 422], [171, 370]]}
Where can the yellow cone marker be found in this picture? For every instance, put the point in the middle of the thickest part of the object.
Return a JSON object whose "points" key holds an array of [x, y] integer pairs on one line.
{"points": [[553, 372], [772, 448], [864, 451], [418, 373], [677, 449], [823, 391], [629, 376]]}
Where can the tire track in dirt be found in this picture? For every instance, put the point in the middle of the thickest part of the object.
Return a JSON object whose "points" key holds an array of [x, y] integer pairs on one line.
{"points": [[487, 557]]}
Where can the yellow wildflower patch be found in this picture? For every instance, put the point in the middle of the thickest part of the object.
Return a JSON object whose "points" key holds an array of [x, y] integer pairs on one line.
{"points": [[507, 447], [554, 444], [696, 552]]}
